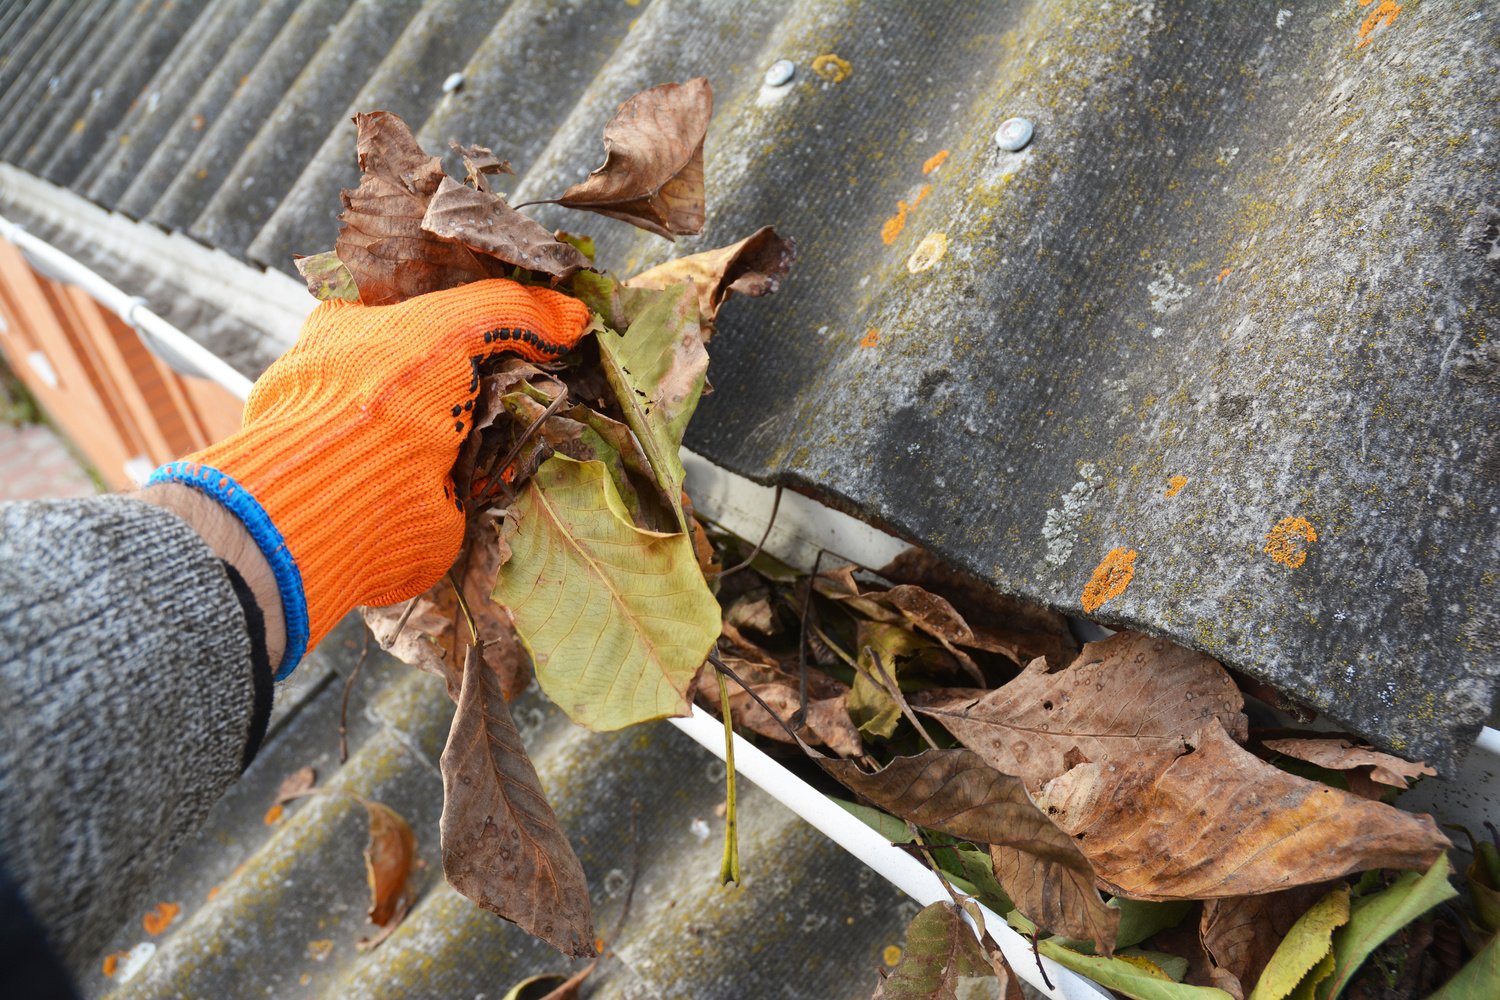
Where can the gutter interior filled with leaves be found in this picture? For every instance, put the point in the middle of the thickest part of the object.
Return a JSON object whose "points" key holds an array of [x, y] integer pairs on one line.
{"points": [[1114, 802]]}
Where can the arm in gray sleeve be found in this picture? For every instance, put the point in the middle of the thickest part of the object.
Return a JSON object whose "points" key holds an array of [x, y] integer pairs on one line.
{"points": [[129, 701]]}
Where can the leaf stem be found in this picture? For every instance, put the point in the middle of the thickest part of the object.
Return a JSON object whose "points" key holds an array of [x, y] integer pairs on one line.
{"points": [[729, 868], [463, 606], [775, 506]]}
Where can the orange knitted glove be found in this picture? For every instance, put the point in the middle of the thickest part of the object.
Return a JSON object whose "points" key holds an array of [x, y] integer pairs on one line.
{"points": [[341, 470]]}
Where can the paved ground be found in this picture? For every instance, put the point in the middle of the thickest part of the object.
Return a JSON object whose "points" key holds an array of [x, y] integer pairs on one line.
{"points": [[35, 464]]}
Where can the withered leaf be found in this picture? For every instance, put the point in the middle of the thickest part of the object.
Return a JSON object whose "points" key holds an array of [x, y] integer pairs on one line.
{"points": [[502, 845], [1240, 934], [754, 266], [1018, 629], [1342, 755], [652, 175], [326, 276], [478, 162], [388, 860], [484, 223], [295, 784], [1211, 820], [827, 722], [1122, 697], [942, 961], [382, 241], [955, 792]]}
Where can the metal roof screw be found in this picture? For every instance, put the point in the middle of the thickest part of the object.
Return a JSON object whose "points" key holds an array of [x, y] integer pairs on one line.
{"points": [[1013, 134], [454, 81], [781, 72]]}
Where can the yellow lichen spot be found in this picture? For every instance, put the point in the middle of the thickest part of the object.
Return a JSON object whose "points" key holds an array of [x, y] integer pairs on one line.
{"points": [[632, 3], [78, 126], [320, 949], [871, 338], [1224, 274], [160, 918], [1386, 14], [830, 67], [935, 161], [112, 963], [928, 253], [1175, 485], [274, 814], [891, 955], [1110, 579], [1287, 542]]}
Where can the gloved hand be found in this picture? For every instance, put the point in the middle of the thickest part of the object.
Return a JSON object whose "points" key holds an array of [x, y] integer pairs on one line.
{"points": [[341, 470]]}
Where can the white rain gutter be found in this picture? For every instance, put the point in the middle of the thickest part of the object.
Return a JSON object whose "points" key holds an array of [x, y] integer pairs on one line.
{"points": [[802, 528]]}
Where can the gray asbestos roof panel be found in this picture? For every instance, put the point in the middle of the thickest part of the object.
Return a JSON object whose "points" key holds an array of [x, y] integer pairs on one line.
{"points": [[1245, 273], [1249, 250]]}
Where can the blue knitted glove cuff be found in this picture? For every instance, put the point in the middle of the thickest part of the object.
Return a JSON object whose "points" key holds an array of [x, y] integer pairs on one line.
{"points": [[238, 500]]}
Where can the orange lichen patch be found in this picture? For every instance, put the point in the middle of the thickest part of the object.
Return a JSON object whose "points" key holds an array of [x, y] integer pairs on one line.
{"points": [[212, 893], [1386, 14], [198, 122], [1224, 274], [274, 813], [160, 918], [830, 67], [112, 963], [934, 161], [891, 955], [1287, 542], [893, 226], [1175, 485], [871, 338], [1110, 579]]}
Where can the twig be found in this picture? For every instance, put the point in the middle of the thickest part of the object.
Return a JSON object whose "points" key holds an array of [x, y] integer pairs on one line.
{"points": [[729, 867], [463, 606], [775, 506], [895, 692], [807, 605], [364, 653], [390, 640], [498, 469], [721, 667]]}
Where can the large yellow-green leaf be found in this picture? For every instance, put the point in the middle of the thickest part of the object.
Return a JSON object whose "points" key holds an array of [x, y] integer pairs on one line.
{"points": [[1375, 918], [1139, 981], [617, 619], [1479, 980], [657, 369]]}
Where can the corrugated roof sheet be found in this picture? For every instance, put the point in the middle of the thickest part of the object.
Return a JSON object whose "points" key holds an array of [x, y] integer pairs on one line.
{"points": [[1243, 277]]}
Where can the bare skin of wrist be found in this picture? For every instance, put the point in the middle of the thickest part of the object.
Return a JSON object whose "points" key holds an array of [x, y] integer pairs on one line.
{"points": [[231, 542]]}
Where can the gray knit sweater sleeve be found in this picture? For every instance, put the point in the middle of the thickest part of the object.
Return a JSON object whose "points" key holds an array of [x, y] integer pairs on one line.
{"points": [[126, 700]]}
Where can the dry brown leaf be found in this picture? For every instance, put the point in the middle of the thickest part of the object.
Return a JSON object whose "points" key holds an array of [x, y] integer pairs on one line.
{"points": [[388, 860], [652, 175], [955, 792], [1018, 629], [295, 784], [827, 722], [480, 161], [1342, 755], [753, 266], [1240, 934], [382, 241], [1211, 820], [1122, 697], [483, 222], [502, 845]]}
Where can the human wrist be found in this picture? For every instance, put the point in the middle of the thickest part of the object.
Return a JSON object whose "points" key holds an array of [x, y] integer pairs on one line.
{"points": [[229, 539]]}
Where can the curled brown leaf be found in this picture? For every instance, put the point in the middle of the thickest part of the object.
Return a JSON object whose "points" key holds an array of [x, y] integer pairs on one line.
{"points": [[388, 254], [1341, 755], [479, 162], [502, 845], [652, 175], [485, 224], [754, 266], [388, 861], [1208, 820]]}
